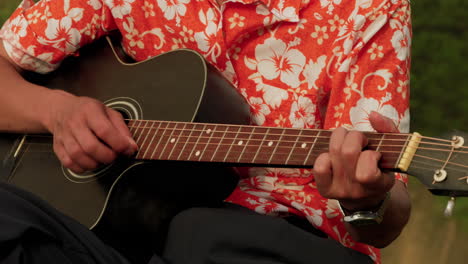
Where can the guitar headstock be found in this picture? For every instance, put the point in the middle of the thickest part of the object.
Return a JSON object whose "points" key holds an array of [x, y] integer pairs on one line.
{"points": [[441, 164]]}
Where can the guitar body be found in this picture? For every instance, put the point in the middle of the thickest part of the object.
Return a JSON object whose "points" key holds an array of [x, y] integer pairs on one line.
{"points": [[130, 195]]}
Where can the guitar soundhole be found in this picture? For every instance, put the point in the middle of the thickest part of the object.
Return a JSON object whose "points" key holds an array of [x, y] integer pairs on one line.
{"points": [[128, 107]]}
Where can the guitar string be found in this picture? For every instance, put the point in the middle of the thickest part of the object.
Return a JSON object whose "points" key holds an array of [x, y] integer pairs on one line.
{"points": [[324, 149], [249, 126], [295, 145], [279, 128], [295, 141], [323, 137], [432, 167], [320, 143], [285, 128], [427, 169], [415, 159], [370, 136]]}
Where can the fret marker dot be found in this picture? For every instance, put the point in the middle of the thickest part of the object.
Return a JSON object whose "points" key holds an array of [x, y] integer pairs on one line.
{"points": [[270, 143], [303, 145], [172, 140], [208, 131], [240, 143], [197, 153]]}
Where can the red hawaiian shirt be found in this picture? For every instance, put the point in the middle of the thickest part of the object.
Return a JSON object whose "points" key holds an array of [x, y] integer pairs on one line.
{"points": [[298, 63]]}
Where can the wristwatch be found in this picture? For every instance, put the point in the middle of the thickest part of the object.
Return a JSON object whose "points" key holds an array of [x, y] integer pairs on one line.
{"points": [[366, 217]]}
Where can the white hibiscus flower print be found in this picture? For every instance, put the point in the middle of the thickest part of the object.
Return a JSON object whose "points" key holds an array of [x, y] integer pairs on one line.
{"points": [[62, 35], [206, 40], [315, 216], [275, 58], [302, 113], [96, 4], [173, 8], [330, 4], [313, 70], [16, 29], [404, 124], [120, 8], [359, 115], [401, 42], [259, 110]]}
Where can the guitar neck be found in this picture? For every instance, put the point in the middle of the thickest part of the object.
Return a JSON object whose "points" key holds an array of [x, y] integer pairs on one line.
{"points": [[248, 145]]}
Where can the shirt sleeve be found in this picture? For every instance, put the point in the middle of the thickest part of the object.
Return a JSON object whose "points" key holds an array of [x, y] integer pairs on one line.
{"points": [[39, 36], [372, 69]]}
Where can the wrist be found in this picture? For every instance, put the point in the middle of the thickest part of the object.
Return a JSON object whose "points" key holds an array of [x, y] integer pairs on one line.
{"points": [[54, 100], [366, 216], [365, 204]]}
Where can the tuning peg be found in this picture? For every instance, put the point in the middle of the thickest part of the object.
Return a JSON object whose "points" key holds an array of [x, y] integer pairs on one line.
{"points": [[449, 208]]}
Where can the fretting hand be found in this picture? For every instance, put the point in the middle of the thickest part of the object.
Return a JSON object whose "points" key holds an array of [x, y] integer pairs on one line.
{"points": [[350, 174]]}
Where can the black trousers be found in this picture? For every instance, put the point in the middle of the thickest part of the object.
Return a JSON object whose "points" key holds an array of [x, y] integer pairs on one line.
{"points": [[33, 232]]}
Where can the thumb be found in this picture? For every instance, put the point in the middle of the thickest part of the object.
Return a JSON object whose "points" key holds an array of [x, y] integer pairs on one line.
{"points": [[382, 123]]}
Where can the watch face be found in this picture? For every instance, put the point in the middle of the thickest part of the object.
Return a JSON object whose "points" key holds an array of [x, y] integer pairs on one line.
{"points": [[363, 218]]}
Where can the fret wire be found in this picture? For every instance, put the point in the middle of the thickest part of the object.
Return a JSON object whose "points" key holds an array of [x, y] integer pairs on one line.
{"points": [[159, 140], [290, 141], [377, 135], [196, 143], [177, 140], [146, 137], [368, 134], [325, 143], [274, 150], [131, 128], [245, 145], [369, 145], [166, 143], [372, 138], [209, 140], [152, 139], [185, 145], [311, 148], [220, 142], [135, 134], [230, 147], [261, 143], [294, 146], [141, 133], [380, 142], [290, 128], [287, 148], [297, 158]]}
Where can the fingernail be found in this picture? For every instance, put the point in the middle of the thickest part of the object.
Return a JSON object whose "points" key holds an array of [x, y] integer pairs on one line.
{"points": [[133, 148]]}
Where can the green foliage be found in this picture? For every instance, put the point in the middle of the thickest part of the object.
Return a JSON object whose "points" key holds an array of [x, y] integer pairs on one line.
{"points": [[6, 7], [439, 74]]}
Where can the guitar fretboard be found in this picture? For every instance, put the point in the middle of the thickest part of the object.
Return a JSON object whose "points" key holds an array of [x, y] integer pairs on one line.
{"points": [[249, 145]]}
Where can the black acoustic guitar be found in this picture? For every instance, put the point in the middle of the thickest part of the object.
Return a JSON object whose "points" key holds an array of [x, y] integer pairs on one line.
{"points": [[184, 116]]}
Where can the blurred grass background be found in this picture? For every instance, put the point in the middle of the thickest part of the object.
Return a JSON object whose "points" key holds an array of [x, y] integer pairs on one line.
{"points": [[439, 103]]}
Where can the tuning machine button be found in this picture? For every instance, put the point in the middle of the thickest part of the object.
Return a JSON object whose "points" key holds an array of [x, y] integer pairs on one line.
{"points": [[449, 208]]}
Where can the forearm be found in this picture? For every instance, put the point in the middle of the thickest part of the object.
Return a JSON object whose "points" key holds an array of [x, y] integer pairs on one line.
{"points": [[395, 218], [24, 106]]}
